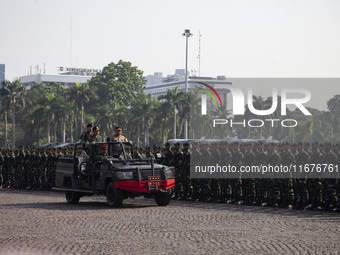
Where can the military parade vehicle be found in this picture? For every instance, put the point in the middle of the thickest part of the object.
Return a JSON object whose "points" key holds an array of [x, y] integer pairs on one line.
{"points": [[110, 169]]}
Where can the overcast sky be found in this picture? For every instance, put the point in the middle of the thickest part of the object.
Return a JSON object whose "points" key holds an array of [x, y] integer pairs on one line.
{"points": [[239, 38]]}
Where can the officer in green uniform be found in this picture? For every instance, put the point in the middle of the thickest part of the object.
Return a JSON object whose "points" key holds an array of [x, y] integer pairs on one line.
{"points": [[86, 135]]}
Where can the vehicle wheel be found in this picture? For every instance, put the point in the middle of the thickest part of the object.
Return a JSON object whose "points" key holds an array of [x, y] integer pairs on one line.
{"points": [[72, 197], [114, 196], [163, 198]]}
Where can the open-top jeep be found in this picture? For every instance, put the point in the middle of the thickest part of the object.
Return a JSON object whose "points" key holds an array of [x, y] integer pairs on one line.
{"points": [[90, 172]]}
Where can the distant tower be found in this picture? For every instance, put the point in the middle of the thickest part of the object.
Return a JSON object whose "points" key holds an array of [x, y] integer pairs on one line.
{"points": [[199, 54]]}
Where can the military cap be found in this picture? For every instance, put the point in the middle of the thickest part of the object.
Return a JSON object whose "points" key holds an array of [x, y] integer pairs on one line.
{"points": [[307, 143], [177, 144], [167, 144], [89, 125], [147, 147], [300, 143], [54, 149], [186, 144], [328, 144]]}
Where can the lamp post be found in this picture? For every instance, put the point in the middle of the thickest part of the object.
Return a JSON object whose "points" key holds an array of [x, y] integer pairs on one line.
{"points": [[187, 34]]}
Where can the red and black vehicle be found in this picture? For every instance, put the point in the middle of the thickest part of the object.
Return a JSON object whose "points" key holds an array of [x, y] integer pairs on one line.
{"points": [[116, 175]]}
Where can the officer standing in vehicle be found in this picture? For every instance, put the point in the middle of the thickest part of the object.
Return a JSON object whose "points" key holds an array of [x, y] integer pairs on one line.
{"points": [[116, 149], [86, 135]]}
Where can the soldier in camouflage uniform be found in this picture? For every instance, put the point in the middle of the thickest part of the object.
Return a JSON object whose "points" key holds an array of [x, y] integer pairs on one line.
{"points": [[300, 184], [261, 184], [287, 185], [249, 183], [178, 157], [237, 186], [329, 185], [315, 185], [196, 185], [225, 183], [215, 182], [274, 159], [87, 134], [159, 155], [205, 194], [169, 155], [185, 173]]}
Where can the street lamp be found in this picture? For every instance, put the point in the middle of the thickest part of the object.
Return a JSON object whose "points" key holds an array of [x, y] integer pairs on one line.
{"points": [[187, 34]]}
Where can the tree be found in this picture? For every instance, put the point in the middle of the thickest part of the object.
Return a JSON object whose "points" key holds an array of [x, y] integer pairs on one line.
{"points": [[334, 104], [143, 111], [16, 99], [5, 107], [80, 93], [118, 83], [173, 99]]}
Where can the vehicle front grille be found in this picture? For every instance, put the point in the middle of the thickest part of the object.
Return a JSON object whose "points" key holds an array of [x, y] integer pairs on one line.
{"points": [[146, 173]]}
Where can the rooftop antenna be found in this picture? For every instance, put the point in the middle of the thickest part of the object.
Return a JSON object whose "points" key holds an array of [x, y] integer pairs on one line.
{"points": [[199, 54]]}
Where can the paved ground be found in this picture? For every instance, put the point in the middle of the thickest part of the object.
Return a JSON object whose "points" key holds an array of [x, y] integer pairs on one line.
{"points": [[40, 222]]}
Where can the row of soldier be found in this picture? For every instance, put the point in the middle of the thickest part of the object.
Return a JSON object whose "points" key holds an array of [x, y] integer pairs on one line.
{"points": [[302, 193], [35, 168], [30, 167]]}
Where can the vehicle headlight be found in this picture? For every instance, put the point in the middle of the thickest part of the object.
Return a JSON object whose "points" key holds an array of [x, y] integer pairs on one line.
{"points": [[125, 175], [168, 173]]}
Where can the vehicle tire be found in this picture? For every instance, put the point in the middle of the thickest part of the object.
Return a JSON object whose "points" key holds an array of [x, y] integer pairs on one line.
{"points": [[114, 196], [72, 197], [163, 198]]}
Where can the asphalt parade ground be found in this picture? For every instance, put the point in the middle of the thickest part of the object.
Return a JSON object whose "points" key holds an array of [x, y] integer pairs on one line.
{"points": [[41, 222]]}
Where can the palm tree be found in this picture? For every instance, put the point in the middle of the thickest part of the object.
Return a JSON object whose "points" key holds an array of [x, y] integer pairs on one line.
{"points": [[143, 109], [173, 99], [5, 106], [16, 99], [46, 112], [80, 93]]}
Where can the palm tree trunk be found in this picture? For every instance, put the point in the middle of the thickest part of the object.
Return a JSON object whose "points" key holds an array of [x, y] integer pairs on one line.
{"points": [[82, 117], [48, 131], [64, 130], [138, 134], [147, 136], [163, 133], [174, 122], [13, 127], [71, 132], [6, 145], [55, 133], [39, 143]]}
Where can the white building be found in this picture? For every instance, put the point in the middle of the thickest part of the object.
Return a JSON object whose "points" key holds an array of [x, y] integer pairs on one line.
{"points": [[217, 83], [66, 76]]}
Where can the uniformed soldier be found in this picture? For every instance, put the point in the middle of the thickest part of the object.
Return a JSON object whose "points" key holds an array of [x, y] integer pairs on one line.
{"points": [[178, 157], [169, 155], [87, 134], [185, 173]]}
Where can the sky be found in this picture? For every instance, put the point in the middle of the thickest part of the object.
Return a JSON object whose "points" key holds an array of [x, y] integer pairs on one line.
{"points": [[240, 39]]}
